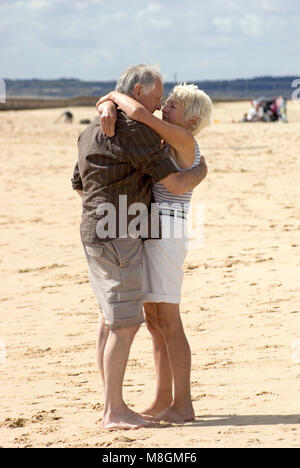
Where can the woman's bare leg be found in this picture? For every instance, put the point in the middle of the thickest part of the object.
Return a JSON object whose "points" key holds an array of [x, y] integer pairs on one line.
{"points": [[169, 322], [163, 394]]}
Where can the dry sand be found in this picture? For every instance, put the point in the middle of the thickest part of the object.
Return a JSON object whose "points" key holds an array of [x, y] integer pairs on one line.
{"points": [[240, 302]]}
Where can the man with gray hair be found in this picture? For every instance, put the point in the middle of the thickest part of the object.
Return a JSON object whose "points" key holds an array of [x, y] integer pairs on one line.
{"points": [[118, 171]]}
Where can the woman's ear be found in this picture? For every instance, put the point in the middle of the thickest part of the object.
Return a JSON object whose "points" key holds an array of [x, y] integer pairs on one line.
{"points": [[192, 121]]}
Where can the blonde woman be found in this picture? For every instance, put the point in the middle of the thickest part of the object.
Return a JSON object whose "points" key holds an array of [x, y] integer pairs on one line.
{"points": [[186, 112]]}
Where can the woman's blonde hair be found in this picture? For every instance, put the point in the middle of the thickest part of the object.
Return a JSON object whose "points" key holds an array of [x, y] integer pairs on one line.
{"points": [[196, 104]]}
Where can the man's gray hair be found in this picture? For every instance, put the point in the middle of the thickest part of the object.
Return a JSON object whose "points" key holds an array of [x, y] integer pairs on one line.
{"points": [[142, 74]]}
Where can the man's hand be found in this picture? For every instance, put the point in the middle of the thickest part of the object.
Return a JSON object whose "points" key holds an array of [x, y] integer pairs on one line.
{"points": [[108, 117]]}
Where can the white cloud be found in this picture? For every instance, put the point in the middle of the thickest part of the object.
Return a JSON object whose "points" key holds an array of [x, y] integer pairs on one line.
{"points": [[96, 56], [270, 5], [223, 24], [251, 25], [97, 39], [80, 6], [120, 16], [36, 4], [152, 18], [151, 9]]}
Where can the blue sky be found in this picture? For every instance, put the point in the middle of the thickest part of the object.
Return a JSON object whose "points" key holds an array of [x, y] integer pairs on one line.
{"points": [[187, 39]]}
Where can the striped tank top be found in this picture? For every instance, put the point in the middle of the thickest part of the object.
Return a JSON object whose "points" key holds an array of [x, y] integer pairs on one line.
{"points": [[167, 200]]}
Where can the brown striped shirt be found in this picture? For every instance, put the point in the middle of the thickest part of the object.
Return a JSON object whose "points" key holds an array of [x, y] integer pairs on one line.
{"points": [[126, 164]]}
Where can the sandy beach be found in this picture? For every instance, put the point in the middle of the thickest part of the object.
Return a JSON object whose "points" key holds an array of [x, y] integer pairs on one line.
{"points": [[241, 294]]}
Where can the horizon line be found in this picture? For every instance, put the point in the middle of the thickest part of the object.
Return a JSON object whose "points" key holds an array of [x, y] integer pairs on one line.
{"points": [[166, 81]]}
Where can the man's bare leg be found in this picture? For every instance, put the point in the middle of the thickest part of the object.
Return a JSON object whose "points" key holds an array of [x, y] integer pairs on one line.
{"points": [[163, 395], [170, 323], [103, 332], [116, 414]]}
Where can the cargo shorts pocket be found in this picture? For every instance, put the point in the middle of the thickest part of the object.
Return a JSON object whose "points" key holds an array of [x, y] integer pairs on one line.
{"points": [[132, 277], [94, 251], [124, 296], [125, 305], [103, 265]]}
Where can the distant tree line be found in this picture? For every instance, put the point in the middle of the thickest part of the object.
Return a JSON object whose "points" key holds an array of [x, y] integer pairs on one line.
{"points": [[223, 89]]}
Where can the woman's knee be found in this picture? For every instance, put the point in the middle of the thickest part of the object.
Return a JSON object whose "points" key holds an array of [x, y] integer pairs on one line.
{"points": [[169, 321], [151, 317]]}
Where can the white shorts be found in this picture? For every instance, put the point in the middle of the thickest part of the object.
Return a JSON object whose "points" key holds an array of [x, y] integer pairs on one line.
{"points": [[162, 265]]}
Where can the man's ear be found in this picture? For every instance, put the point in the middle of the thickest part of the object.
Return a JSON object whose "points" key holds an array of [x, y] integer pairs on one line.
{"points": [[137, 91]]}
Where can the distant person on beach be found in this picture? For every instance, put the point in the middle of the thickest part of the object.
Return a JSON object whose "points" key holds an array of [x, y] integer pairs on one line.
{"points": [[267, 110], [109, 171], [255, 114], [186, 112], [66, 116]]}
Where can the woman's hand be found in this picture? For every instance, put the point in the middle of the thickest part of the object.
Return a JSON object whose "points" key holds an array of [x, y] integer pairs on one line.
{"points": [[108, 116], [132, 108], [107, 97]]}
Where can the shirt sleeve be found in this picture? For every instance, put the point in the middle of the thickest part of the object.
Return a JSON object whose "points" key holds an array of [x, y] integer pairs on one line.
{"points": [[146, 154], [76, 179]]}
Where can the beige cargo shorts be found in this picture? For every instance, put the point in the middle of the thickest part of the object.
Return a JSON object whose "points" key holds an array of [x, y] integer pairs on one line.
{"points": [[115, 270]]}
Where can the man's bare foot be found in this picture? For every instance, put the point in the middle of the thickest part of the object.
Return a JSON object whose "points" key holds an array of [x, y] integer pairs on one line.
{"points": [[173, 415], [156, 408], [127, 419]]}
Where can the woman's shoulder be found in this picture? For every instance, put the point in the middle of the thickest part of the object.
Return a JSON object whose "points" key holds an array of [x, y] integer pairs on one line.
{"points": [[187, 156]]}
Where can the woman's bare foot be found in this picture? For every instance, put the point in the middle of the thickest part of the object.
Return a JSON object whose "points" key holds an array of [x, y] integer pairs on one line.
{"points": [[156, 408], [127, 419], [173, 414]]}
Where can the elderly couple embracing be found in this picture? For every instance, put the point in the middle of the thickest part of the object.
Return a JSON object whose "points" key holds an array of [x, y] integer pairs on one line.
{"points": [[128, 157]]}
